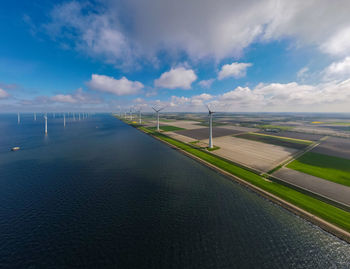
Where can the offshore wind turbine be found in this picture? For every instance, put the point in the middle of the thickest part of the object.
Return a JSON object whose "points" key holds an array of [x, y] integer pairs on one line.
{"points": [[64, 120], [157, 111], [45, 117], [34, 116], [210, 127], [18, 118]]}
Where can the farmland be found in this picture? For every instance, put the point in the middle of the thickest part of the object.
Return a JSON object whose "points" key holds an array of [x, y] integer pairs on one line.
{"points": [[276, 140], [338, 147], [296, 135], [254, 154], [324, 166], [326, 211], [168, 128], [203, 133]]}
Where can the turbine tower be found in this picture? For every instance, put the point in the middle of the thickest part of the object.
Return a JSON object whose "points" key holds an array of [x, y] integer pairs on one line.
{"points": [[210, 127], [34, 116], [130, 114], [45, 117], [18, 118], [157, 111], [140, 121], [64, 120]]}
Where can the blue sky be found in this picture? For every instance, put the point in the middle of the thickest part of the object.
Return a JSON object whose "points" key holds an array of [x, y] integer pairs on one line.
{"points": [[106, 55]]}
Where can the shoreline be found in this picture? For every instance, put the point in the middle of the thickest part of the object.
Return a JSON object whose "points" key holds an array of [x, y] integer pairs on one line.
{"points": [[321, 223]]}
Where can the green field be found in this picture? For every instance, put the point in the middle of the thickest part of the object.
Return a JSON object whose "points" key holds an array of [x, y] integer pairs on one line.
{"points": [[324, 166], [277, 140], [167, 128], [321, 209]]}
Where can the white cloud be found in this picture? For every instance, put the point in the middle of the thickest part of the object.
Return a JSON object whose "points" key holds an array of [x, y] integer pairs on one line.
{"points": [[77, 97], [229, 27], [176, 78], [339, 43], [338, 69], [62, 98], [303, 73], [288, 97], [236, 70], [206, 83], [3, 94], [118, 87]]}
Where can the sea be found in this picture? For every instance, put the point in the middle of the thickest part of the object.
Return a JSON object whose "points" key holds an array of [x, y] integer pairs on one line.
{"points": [[98, 193]]}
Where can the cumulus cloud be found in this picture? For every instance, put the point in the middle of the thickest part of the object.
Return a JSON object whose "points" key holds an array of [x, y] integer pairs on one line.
{"points": [[273, 97], [118, 87], [198, 28], [77, 97], [176, 78], [287, 97], [206, 83], [339, 69], [3, 94], [236, 70]]}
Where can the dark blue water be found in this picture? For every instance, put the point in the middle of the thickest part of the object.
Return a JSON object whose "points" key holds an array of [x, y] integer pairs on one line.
{"points": [[100, 194]]}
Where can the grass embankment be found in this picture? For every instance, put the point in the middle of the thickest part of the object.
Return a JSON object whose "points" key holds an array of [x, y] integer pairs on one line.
{"points": [[277, 140], [321, 209], [324, 166], [167, 128]]}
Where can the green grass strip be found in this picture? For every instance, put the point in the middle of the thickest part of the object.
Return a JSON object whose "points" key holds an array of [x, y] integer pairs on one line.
{"points": [[324, 166], [167, 128], [330, 213]]}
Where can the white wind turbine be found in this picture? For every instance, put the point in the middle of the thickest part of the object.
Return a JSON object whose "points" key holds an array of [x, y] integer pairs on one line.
{"points": [[140, 121], [157, 111], [210, 127], [130, 114], [45, 117]]}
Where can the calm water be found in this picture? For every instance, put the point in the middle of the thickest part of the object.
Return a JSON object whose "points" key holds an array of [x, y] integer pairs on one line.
{"points": [[101, 194]]}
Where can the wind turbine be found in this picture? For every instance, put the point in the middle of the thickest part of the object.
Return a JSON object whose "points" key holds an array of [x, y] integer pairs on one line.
{"points": [[18, 118], [131, 114], [34, 116], [157, 111], [64, 119], [210, 127], [140, 121], [45, 117]]}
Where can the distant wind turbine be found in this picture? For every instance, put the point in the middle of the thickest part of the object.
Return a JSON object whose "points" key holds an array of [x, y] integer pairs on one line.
{"points": [[210, 127], [64, 120], [45, 117], [131, 114], [34, 116], [157, 111], [140, 121], [18, 118]]}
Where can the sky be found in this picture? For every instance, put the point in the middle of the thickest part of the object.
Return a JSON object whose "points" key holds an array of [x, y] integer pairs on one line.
{"points": [[234, 56]]}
